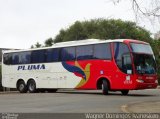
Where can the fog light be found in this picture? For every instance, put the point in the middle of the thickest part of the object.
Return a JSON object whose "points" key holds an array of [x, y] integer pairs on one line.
{"points": [[140, 81]]}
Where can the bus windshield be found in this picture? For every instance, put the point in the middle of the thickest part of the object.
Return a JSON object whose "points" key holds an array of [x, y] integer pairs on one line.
{"points": [[141, 48], [144, 64], [144, 60]]}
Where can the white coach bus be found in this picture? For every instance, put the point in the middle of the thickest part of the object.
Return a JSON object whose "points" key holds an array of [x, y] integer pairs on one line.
{"points": [[119, 65]]}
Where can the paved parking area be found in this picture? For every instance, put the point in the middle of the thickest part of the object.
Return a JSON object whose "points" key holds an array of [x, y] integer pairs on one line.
{"points": [[73, 101]]}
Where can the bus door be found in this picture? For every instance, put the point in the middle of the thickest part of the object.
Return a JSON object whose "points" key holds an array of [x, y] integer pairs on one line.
{"points": [[124, 73]]}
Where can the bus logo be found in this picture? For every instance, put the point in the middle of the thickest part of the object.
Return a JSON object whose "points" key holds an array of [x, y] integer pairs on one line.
{"points": [[31, 67]]}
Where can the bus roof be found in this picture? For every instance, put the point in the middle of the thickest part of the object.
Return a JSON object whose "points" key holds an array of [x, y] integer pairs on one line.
{"points": [[77, 43]]}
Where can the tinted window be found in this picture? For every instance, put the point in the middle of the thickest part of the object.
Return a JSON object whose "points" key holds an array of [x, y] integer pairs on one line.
{"points": [[102, 51], [15, 58], [24, 57], [122, 57], [38, 56], [52, 55], [144, 63], [7, 58], [141, 48], [68, 53], [84, 52]]}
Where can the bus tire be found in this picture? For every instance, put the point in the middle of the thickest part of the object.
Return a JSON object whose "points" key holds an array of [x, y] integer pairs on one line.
{"points": [[105, 87], [21, 86], [31, 86], [124, 92]]}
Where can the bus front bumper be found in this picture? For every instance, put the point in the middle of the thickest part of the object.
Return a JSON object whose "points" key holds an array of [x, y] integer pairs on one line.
{"points": [[146, 85]]}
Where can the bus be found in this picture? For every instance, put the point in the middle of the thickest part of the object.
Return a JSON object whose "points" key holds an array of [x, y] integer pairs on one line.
{"points": [[92, 64]]}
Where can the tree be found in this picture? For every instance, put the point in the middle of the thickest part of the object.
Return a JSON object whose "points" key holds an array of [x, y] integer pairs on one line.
{"points": [[37, 45], [75, 32], [103, 29], [146, 9], [156, 48], [108, 29], [48, 42]]}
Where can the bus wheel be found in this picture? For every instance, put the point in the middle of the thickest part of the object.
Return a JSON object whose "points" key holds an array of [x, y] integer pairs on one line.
{"points": [[124, 92], [105, 87], [21, 87], [31, 86]]}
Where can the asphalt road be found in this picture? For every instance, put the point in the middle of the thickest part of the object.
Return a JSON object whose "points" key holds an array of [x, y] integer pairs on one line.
{"points": [[73, 101]]}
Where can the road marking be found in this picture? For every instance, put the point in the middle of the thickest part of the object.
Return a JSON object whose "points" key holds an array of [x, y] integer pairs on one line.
{"points": [[124, 108]]}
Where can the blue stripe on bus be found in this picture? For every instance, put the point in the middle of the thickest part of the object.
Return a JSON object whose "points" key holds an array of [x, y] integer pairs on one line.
{"points": [[73, 69]]}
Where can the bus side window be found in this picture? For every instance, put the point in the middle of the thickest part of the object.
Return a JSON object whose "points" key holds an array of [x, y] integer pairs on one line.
{"points": [[84, 52], [38, 56], [102, 51], [15, 58], [52, 55], [7, 59], [68, 54], [24, 57]]}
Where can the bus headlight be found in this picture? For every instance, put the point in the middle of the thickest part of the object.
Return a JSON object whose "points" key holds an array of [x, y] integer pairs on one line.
{"points": [[156, 81], [140, 81]]}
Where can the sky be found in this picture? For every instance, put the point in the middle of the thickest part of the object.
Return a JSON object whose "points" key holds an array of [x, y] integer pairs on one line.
{"points": [[25, 22]]}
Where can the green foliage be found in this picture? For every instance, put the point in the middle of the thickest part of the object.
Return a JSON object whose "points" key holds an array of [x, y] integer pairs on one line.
{"points": [[48, 42], [37, 45], [103, 29], [156, 48], [109, 29]]}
